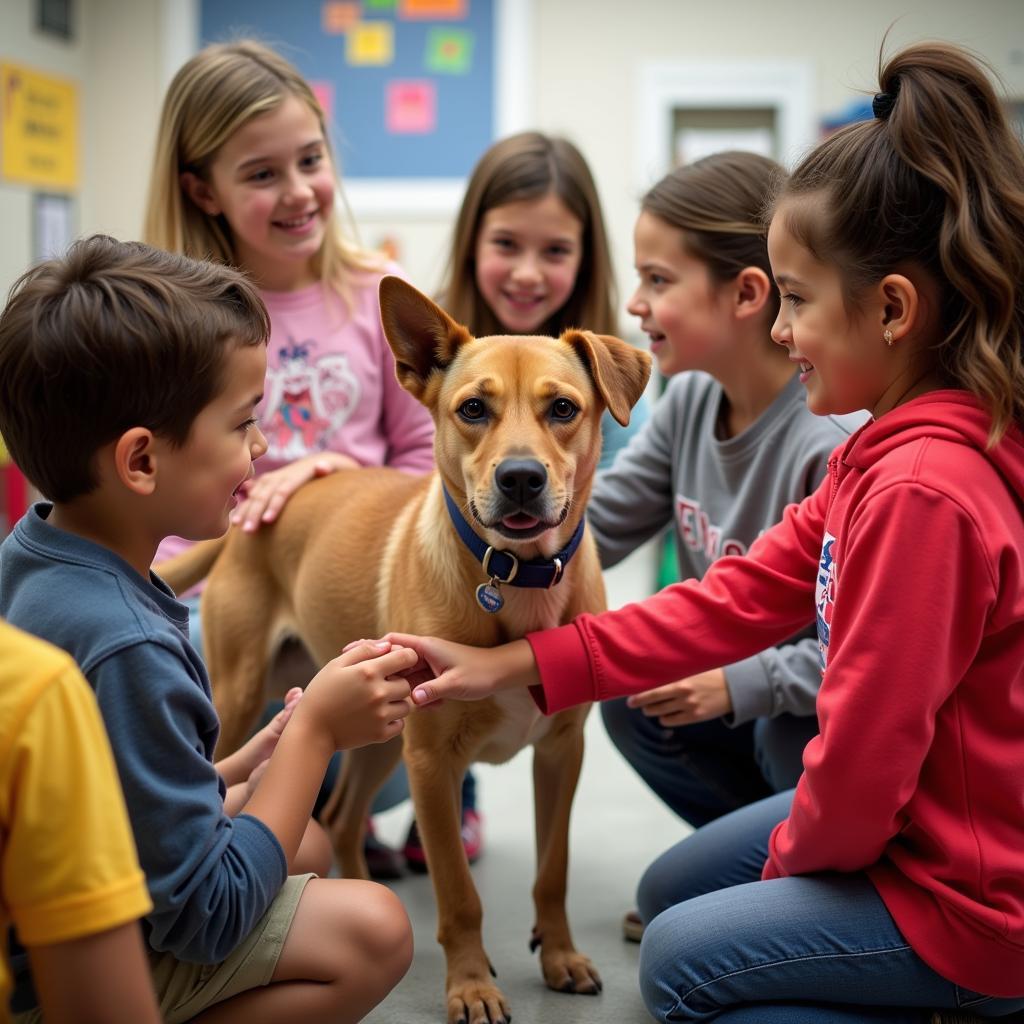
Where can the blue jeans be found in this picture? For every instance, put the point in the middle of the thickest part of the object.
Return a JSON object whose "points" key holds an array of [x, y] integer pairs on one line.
{"points": [[705, 770], [820, 949]]}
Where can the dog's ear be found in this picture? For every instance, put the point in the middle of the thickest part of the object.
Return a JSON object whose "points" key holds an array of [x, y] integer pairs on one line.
{"points": [[620, 370], [423, 337]]}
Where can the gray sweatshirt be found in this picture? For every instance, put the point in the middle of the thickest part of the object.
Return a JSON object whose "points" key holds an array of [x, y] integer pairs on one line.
{"points": [[720, 495]]}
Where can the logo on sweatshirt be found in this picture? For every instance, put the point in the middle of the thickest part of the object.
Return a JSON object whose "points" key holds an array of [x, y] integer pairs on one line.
{"points": [[825, 597], [699, 534], [308, 400]]}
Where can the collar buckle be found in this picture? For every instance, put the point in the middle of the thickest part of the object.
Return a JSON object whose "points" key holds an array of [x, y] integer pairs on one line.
{"points": [[494, 577], [556, 576]]}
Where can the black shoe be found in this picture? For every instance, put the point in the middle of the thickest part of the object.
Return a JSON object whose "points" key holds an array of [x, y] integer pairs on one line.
{"points": [[383, 863]]}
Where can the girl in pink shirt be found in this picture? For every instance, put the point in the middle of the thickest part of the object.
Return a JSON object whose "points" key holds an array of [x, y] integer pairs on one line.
{"points": [[244, 174]]}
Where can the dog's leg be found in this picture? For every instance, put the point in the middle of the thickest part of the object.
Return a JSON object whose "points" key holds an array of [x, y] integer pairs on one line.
{"points": [[557, 759], [236, 645], [472, 997], [363, 770]]}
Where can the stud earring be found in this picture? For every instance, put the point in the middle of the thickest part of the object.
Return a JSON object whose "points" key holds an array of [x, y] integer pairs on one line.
{"points": [[887, 334]]}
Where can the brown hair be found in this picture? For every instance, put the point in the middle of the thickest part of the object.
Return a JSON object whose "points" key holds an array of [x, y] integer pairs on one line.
{"points": [[111, 336], [219, 90], [718, 203], [526, 166], [936, 181]]}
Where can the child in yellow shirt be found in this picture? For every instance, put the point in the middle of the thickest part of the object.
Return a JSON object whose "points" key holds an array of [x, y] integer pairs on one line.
{"points": [[69, 876]]}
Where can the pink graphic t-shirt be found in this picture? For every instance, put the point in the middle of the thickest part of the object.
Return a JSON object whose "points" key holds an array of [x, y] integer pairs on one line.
{"points": [[331, 386]]}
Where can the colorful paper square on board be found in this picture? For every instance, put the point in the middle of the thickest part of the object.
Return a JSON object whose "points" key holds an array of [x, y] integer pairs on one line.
{"points": [[433, 10], [379, 5], [370, 43], [449, 51], [411, 107], [337, 18], [324, 93]]}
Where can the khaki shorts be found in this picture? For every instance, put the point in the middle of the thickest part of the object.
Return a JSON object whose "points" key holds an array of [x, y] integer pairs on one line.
{"points": [[184, 990]]}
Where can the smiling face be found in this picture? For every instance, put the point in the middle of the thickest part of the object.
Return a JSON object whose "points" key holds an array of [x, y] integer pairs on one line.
{"points": [[524, 419], [843, 361], [273, 181], [677, 303], [526, 260], [518, 423], [199, 481]]}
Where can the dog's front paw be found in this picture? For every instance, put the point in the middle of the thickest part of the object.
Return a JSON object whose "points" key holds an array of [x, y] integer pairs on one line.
{"points": [[566, 970], [477, 1002]]}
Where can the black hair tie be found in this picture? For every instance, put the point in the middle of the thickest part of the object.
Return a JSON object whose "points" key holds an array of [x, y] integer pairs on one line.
{"points": [[882, 104]]}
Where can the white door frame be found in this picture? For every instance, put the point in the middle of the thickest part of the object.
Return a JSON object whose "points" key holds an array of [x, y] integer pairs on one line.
{"points": [[786, 87]]}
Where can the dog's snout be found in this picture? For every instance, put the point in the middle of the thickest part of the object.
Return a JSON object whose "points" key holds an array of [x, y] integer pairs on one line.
{"points": [[521, 480]]}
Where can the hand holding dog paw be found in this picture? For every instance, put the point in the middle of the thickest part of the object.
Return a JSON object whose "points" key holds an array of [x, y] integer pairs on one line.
{"points": [[451, 671], [266, 495], [360, 697]]}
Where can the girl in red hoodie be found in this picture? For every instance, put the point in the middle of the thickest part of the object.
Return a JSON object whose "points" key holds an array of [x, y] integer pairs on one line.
{"points": [[890, 883]]}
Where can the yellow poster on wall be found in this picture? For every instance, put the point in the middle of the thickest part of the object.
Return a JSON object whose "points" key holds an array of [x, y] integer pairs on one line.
{"points": [[38, 128]]}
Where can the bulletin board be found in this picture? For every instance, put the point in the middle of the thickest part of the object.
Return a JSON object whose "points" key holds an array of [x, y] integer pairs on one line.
{"points": [[409, 86]]}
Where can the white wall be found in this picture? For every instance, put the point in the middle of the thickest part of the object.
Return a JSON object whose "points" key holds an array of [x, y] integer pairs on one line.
{"points": [[582, 81], [586, 64], [586, 67], [20, 43], [113, 59]]}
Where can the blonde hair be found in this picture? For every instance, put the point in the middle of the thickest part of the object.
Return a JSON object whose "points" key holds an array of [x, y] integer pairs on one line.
{"points": [[935, 180], [521, 167], [212, 96]]}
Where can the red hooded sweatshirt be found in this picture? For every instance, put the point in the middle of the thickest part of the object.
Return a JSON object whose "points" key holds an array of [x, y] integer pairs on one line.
{"points": [[910, 556]]}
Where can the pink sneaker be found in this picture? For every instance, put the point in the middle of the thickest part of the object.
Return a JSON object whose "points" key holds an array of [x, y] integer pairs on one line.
{"points": [[472, 835], [472, 842]]}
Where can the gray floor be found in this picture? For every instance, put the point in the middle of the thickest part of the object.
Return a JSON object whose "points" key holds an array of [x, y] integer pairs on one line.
{"points": [[618, 827]]}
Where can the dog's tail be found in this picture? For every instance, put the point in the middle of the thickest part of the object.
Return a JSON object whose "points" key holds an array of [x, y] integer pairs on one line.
{"points": [[192, 565]]}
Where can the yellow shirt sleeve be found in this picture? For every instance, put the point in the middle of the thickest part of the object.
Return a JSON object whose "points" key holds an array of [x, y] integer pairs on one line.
{"points": [[69, 866]]}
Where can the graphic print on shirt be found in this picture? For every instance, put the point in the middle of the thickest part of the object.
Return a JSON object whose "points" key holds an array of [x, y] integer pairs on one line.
{"points": [[699, 534], [824, 597], [307, 400]]}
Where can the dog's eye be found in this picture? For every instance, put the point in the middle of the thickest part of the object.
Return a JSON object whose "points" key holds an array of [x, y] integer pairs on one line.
{"points": [[563, 409], [473, 409]]}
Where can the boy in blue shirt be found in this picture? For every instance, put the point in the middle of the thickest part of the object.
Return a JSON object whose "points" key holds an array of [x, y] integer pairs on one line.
{"points": [[128, 382]]}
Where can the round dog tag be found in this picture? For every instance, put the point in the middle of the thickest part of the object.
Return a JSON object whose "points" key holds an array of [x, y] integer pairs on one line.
{"points": [[489, 599]]}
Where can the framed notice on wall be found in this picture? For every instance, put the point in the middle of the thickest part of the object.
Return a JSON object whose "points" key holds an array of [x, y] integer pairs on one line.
{"points": [[39, 128], [410, 87]]}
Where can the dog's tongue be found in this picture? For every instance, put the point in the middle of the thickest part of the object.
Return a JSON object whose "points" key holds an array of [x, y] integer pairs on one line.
{"points": [[520, 521]]}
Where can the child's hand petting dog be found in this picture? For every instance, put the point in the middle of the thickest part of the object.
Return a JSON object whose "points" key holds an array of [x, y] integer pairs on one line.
{"points": [[265, 495], [361, 696]]}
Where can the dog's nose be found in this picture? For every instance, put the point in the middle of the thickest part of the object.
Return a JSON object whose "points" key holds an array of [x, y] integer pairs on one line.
{"points": [[520, 480]]}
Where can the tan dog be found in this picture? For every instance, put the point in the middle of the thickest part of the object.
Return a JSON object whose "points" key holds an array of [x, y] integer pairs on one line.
{"points": [[365, 551]]}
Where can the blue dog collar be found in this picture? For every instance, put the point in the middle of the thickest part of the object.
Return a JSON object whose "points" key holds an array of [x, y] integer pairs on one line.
{"points": [[504, 568]]}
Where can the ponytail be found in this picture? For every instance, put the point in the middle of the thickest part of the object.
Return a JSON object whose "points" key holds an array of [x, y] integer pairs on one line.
{"points": [[935, 180]]}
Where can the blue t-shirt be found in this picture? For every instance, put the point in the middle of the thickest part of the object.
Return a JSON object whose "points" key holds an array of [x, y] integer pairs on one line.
{"points": [[211, 877]]}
